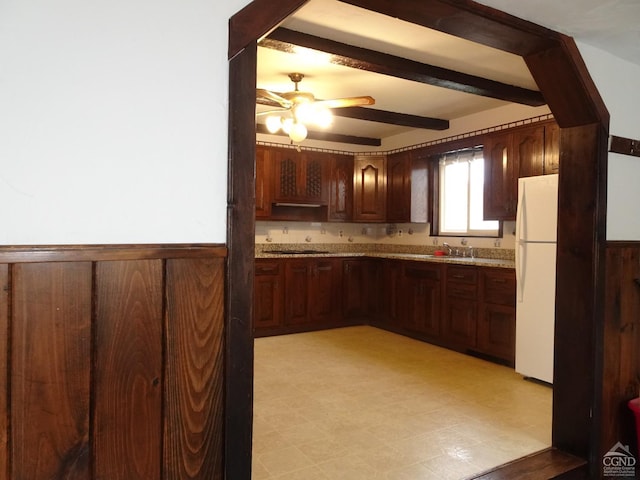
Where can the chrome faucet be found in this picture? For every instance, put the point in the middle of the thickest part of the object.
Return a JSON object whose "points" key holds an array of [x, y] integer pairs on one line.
{"points": [[466, 251]]}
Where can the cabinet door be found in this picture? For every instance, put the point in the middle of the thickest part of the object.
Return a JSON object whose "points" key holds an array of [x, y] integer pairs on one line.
{"points": [[323, 304], [419, 189], [287, 175], [314, 175], [341, 189], [500, 178], [370, 192], [399, 187], [358, 280], [497, 332], [299, 177], [423, 293], [296, 281], [460, 319], [528, 148], [263, 182], [268, 292], [497, 318], [390, 293], [551, 148]]}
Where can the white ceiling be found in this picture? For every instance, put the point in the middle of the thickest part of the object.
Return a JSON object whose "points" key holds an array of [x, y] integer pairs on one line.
{"points": [[610, 25]]}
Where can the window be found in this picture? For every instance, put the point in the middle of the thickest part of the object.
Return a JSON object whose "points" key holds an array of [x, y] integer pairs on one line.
{"points": [[461, 196]]}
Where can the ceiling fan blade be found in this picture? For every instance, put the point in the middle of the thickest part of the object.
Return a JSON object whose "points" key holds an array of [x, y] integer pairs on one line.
{"points": [[346, 102], [269, 112], [263, 93]]}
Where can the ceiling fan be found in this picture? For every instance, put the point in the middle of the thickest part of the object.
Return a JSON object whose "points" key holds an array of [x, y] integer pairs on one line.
{"points": [[302, 108]]}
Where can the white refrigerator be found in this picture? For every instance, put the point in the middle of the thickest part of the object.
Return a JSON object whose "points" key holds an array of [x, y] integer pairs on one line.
{"points": [[536, 232]]}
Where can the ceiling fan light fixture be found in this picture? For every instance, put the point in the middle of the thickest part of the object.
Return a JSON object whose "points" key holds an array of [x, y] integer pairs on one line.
{"points": [[304, 112], [287, 123], [274, 123], [302, 108], [323, 117], [298, 132]]}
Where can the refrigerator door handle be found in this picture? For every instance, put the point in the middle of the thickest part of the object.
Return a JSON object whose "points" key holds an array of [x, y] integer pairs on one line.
{"points": [[521, 265], [521, 250], [520, 213]]}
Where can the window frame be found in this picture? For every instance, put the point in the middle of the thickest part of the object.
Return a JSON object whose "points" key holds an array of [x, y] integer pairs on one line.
{"points": [[434, 198]]}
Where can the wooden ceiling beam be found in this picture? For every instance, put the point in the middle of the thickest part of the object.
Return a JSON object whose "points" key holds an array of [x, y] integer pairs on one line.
{"points": [[393, 118], [380, 116], [286, 40], [328, 137], [469, 20]]}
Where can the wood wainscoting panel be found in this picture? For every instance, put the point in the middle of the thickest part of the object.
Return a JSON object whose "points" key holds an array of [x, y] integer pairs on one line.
{"points": [[128, 375], [112, 362], [4, 370], [621, 369], [50, 370], [194, 393]]}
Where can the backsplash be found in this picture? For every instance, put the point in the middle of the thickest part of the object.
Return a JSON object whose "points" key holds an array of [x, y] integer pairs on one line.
{"points": [[403, 238]]}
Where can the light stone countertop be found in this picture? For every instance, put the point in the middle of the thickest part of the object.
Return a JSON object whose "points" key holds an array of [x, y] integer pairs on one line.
{"points": [[420, 257]]}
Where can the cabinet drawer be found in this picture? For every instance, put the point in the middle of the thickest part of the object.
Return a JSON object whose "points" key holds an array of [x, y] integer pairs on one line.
{"points": [[461, 290], [460, 274], [270, 268], [500, 287], [431, 272]]}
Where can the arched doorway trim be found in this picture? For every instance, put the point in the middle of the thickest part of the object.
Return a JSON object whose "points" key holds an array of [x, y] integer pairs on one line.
{"points": [[562, 76]]}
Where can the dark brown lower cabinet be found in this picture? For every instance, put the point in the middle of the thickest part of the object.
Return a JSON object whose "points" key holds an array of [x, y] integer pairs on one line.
{"points": [[312, 289], [464, 307], [312, 293], [268, 295], [497, 316], [390, 312], [460, 316], [324, 304], [359, 288], [297, 277], [421, 298]]}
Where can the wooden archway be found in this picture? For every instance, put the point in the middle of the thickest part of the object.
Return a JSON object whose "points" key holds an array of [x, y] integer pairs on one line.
{"points": [[558, 69]]}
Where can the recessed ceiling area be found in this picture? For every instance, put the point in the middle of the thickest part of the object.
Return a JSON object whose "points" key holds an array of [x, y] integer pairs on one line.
{"points": [[327, 77]]}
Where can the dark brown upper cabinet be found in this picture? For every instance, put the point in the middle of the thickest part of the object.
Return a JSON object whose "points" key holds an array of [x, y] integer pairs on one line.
{"points": [[551, 148], [340, 188], [399, 187], [370, 188], [512, 154], [263, 182], [299, 177]]}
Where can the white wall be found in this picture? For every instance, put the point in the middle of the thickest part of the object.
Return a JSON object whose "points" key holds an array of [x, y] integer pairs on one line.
{"points": [[618, 82], [113, 121]]}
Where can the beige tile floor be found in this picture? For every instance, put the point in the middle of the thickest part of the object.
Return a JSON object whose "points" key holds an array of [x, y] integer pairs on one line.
{"points": [[362, 403]]}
